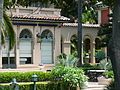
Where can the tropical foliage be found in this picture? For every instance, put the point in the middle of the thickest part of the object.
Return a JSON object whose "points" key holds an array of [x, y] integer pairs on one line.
{"points": [[105, 64], [89, 14], [105, 34], [67, 60], [109, 74]]}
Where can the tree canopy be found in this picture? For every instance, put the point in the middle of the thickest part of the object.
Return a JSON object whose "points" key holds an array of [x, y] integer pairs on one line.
{"points": [[68, 8]]}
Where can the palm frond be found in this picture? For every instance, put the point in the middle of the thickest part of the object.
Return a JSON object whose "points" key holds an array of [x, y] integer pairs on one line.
{"points": [[2, 35], [8, 28]]}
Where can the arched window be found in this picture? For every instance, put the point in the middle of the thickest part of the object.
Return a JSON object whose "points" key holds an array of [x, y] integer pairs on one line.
{"points": [[25, 47], [98, 53], [47, 47]]}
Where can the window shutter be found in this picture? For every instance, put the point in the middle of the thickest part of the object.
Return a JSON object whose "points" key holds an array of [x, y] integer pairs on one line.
{"points": [[46, 52], [25, 48]]}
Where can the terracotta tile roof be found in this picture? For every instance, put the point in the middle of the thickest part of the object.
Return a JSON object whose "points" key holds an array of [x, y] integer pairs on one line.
{"points": [[84, 25], [40, 17]]}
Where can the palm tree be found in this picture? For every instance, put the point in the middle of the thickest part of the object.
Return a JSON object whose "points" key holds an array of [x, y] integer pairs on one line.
{"points": [[1, 15], [6, 29], [6, 25]]}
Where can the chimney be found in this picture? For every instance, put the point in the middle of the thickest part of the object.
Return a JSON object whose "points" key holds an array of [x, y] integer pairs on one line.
{"points": [[103, 12]]}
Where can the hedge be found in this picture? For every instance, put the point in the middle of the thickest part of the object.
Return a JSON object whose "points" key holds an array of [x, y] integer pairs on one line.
{"points": [[39, 86], [6, 77]]}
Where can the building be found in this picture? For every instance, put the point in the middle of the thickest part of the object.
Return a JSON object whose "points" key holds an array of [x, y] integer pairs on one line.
{"points": [[41, 35]]}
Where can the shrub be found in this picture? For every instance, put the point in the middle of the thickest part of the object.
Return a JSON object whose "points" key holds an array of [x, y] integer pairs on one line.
{"points": [[67, 72], [87, 67], [70, 75], [39, 86], [100, 55], [6, 77]]}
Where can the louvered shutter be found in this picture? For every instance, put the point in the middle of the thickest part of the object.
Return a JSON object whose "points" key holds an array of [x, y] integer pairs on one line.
{"points": [[25, 48], [46, 51]]}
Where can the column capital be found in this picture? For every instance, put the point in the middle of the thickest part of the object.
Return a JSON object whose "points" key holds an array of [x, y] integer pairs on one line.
{"points": [[93, 42]]}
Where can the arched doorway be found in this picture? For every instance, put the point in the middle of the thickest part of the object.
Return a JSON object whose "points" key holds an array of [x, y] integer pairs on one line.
{"points": [[86, 50], [25, 47], [61, 42], [97, 44], [99, 53], [74, 44], [47, 47]]}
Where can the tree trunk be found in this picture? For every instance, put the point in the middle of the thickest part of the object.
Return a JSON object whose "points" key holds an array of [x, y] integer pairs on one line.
{"points": [[114, 46], [1, 16]]}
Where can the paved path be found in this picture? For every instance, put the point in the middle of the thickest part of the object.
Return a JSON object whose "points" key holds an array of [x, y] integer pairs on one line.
{"points": [[94, 86]]}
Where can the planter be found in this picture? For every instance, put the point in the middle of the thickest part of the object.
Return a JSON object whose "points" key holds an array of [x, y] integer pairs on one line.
{"points": [[104, 81]]}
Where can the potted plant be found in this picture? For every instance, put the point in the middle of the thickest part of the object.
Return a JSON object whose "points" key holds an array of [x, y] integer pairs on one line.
{"points": [[105, 78]]}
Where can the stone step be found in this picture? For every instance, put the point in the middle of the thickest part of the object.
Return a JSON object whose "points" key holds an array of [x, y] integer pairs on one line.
{"points": [[94, 89], [94, 86]]}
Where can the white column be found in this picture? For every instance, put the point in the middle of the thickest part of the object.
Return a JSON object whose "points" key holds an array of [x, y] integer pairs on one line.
{"points": [[33, 44], [37, 47], [57, 42], [66, 46], [17, 58], [93, 52], [17, 47], [82, 52], [105, 50], [99, 16]]}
